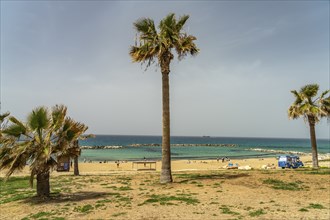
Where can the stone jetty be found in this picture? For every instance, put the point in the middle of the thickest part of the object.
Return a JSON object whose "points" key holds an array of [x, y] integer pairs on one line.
{"points": [[184, 145], [101, 147], [157, 145]]}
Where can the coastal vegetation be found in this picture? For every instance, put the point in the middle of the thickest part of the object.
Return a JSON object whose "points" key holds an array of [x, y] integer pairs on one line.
{"points": [[157, 45], [39, 142], [312, 109]]}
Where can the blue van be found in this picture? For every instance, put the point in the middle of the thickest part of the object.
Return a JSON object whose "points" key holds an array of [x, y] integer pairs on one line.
{"points": [[288, 161]]}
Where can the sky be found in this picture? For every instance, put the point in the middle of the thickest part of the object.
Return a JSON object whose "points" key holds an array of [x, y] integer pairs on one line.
{"points": [[252, 54]]}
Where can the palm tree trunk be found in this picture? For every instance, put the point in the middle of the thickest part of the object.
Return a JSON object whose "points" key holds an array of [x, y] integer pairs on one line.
{"points": [[43, 189], [166, 175], [311, 121], [75, 166]]}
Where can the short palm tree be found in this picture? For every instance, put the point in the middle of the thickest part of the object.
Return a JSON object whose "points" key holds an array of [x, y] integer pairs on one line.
{"points": [[45, 136], [312, 110], [158, 45]]}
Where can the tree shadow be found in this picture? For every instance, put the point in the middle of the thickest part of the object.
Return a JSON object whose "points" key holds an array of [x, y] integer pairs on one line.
{"points": [[61, 198]]}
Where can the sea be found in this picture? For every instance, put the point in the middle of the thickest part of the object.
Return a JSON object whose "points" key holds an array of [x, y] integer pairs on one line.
{"points": [[132, 147]]}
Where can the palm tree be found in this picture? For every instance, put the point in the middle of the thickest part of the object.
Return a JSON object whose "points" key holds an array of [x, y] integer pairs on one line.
{"points": [[3, 118], [157, 45], [75, 159], [312, 110], [45, 136], [73, 153]]}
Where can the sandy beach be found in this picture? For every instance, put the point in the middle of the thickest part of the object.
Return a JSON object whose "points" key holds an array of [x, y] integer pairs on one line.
{"points": [[98, 167], [104, 168]]}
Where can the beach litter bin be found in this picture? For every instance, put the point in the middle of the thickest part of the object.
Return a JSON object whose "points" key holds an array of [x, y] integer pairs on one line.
{"points": [[63, 164]]}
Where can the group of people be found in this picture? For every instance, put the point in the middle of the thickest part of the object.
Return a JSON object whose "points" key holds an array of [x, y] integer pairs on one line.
{"points": [[223, 159]]}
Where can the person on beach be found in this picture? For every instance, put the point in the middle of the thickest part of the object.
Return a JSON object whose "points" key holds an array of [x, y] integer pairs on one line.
{"points": [[117, 162]]}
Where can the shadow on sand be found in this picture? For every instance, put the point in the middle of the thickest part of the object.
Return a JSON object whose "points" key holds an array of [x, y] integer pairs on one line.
{"points": [[60, 198]]}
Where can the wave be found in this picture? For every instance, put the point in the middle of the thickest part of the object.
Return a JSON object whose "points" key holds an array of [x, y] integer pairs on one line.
{"points": [[321, 156]]}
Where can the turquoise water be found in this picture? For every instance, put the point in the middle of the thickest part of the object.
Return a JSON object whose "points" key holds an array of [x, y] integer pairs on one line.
{"points": [[242, 149]]}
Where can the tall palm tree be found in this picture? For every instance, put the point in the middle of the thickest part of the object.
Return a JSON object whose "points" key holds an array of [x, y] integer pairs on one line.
{"points": [[312, 110], [38, 142], [157, 45]]}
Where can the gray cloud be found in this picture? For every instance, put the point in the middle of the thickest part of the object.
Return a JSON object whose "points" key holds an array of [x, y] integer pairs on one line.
{"points": [[252, 55]]}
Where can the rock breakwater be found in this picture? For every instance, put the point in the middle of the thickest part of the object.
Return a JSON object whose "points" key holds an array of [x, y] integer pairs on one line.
{"points": [[184, 145], [101, 147], [157, 145]]}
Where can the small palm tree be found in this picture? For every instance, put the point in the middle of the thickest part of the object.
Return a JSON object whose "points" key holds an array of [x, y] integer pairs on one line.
{"points": [[74, 152], [157, 46], [312, 110], [45, 136]]}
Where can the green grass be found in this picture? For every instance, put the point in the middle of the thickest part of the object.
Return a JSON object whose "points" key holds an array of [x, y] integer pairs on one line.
{"points": [[166, 200], [320, 171], [84, 209], [41, 214], [303, 210], [257, 213], [103, 201], [124, 188], [196, 176], [315, 206], [14, 189], [119, 214], [226, 210], [279, 184]]}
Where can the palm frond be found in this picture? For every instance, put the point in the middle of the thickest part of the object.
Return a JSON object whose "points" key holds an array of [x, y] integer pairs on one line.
{"points": [[167, 23], [39, 119], [143, 54], [299, 99], [294, 112], [304, 106], [185, 45], [154, 46], [3, 116], [145, 26], [181, 22], [14, 158], [325, 107], [58, 116], [75, 130], [14, 130], [309, 90]]}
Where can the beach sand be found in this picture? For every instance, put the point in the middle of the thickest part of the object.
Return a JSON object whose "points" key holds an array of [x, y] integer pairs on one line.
{"points": [[201, 190], [99, 167], [186, 165]]}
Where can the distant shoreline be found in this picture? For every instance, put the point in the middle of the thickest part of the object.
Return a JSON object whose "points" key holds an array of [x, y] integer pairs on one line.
{"points": [[210, 137]]}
